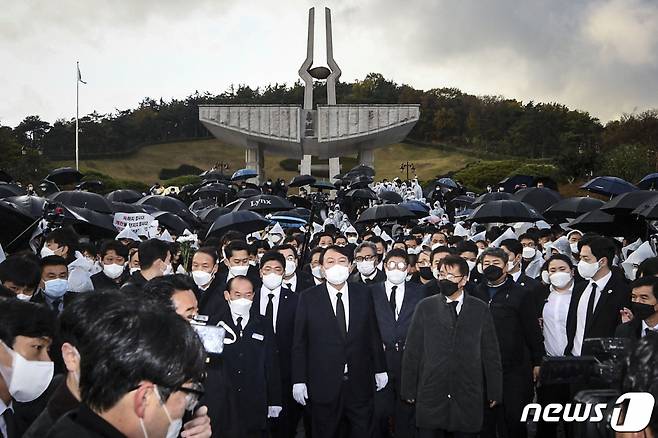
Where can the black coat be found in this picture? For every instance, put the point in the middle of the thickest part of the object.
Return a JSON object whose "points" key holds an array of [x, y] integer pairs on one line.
{"points": [[103, 282], [515, 317], [631, 329], [253, 368], [378, 278], [320, 353], [447, 364], [212, 304], [304, 281], [527, 282], [83, 423], [135, 282], [394, 332], [614, 297], [60, 402]]}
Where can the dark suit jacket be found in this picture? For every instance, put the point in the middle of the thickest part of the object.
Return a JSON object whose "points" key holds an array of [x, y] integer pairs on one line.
{"points": [[394, 332], [320, 352], [304, 281], [356, 278], [451, 366], [527, 282], [614, 296], [212, 302], [103, 282], [285, 328], [253, 368]]}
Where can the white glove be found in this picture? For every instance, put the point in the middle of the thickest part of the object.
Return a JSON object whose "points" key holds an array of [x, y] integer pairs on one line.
{"points": [[381, 380], [273, 411], [299, 393]]}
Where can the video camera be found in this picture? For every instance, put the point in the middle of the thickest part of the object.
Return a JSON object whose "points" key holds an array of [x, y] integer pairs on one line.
{"points": [[53, 215]]}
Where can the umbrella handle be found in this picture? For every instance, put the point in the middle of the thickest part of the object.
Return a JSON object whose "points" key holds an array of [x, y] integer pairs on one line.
{"points": [[24, 231]]}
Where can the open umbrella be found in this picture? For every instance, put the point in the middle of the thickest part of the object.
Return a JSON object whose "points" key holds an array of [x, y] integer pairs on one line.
{"points": [[214, 175], [323, 185], [361, 169], [8, 190], [65, 175], [89, 200], [366, 194], [505, 211], [166, 203], [93, 224], [198, 206], [463, 200], [124, 207], [248, 193], [214, 190], [243, 174], [31, 206], [649, 182], [302, 180], [298, 201], [608, 186], [390, 197], [571, 208], [416, 207], [629, 201], [493, 196], [208, 215], [14, 222], [93, 185], [244, 221], [540, 198], [124, 195], [648, 209], [385, 212], [600, 222], [171, 221], [447, 182], [264, 204], [361, 181]]}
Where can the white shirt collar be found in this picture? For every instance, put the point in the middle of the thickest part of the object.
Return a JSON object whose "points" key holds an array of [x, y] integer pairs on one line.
{"points": [[4, 407], [459, 299], [516, 275], [333, 291], [644, 327], [390, 285], [292, 281], [369, 277], [601, 282], [265, 292]]}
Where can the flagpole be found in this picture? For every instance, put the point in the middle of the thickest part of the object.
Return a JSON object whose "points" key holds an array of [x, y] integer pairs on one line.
{"points": [[77, 105]]}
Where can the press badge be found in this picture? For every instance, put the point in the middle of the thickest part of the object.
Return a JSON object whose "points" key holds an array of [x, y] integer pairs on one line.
{"points": [[258, 337]]}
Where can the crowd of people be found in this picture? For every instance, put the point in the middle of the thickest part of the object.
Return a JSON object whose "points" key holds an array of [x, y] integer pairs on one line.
{"points": [[345, 329]]}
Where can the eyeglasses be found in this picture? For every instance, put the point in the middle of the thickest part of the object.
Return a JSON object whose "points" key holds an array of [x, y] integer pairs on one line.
{"points": [[367, 258], [402, 266], [444, 276]]}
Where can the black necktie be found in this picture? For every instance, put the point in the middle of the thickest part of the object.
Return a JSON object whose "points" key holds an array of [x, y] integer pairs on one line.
{"points": [[391, 299], [269, 310], [453, 308], [10, 423], [239, 326], [340, 315], [288, 286], [590, 305]]}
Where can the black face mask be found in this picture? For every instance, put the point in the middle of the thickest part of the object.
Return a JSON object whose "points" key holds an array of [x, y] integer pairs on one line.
{"points": [[426, 273], [642, 311], [448, 287], [492, 272]]}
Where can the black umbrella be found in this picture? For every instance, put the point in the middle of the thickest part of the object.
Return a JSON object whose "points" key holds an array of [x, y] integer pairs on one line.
{"points": [[572, 208], [629, 201], [89, 200], [360, 181], [166, 203], [608, 186], [64, 175], [385, 212], [209, 215], [648, 209], [493, 196], [600, 222], [649, 182], [463, 200], [298, 201], [361, 194], [323, 185], [244, 221], [447, 182], [540, 198], [264, 204], [418, 208], [505, 211], [248, 193], [93, 224], [91, 185], [302, 180], [31, 206], [14, 223], [124, 195], [124, 207], [214, 190], [8, 190], [214, 175], [362, 169], [172, 222], [243, 174], [390, 197], [200, 205]]}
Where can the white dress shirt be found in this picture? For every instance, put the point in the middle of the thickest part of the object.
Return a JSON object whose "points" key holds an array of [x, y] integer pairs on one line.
{"points": [[245, 320], [582, 311], [460, 302], [3, 408], [264, 299], [292, 281], [645, 326], [399, 295], [317, 281], [554, 318], [516, 275]]}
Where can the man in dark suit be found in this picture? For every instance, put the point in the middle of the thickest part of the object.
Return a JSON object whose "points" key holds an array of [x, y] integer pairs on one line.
{"points": [[452, 361], [514, 251], [395, 302], [278, 306], [366, 259], [294, 279], [520, 340], [337, 360], [209, 288], [596, 304], [154, 261], [251, 361], [113, 255], [53, 286], [644, 306], [236, 262]]}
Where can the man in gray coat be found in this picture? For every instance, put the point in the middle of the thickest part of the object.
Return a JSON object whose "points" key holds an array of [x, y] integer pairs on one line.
{"points": [[451, 362]]}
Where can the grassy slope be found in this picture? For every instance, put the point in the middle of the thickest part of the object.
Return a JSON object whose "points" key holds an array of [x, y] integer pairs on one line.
{"points": [[146, 164]]}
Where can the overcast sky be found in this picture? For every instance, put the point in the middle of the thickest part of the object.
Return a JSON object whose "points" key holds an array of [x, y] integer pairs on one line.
{"points": [[595, 55]]}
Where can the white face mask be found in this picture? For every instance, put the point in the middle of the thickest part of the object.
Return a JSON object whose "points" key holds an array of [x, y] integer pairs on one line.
{"points": [[471, 265], [26, 379], [574, 247], [240, 306], [272, 281], [560, 279], [23, 297], [252, 262], [239, 270], [113, 270], [337, 274], [588, 270], [366, 267], [175, 426], [435, 273], [396, 276], [352, 240], [545, 277], [528, 253], [317, 272], [510, 265], [201, 278], [46, 252], [133, 270], [291, 267], [168, 270]]}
